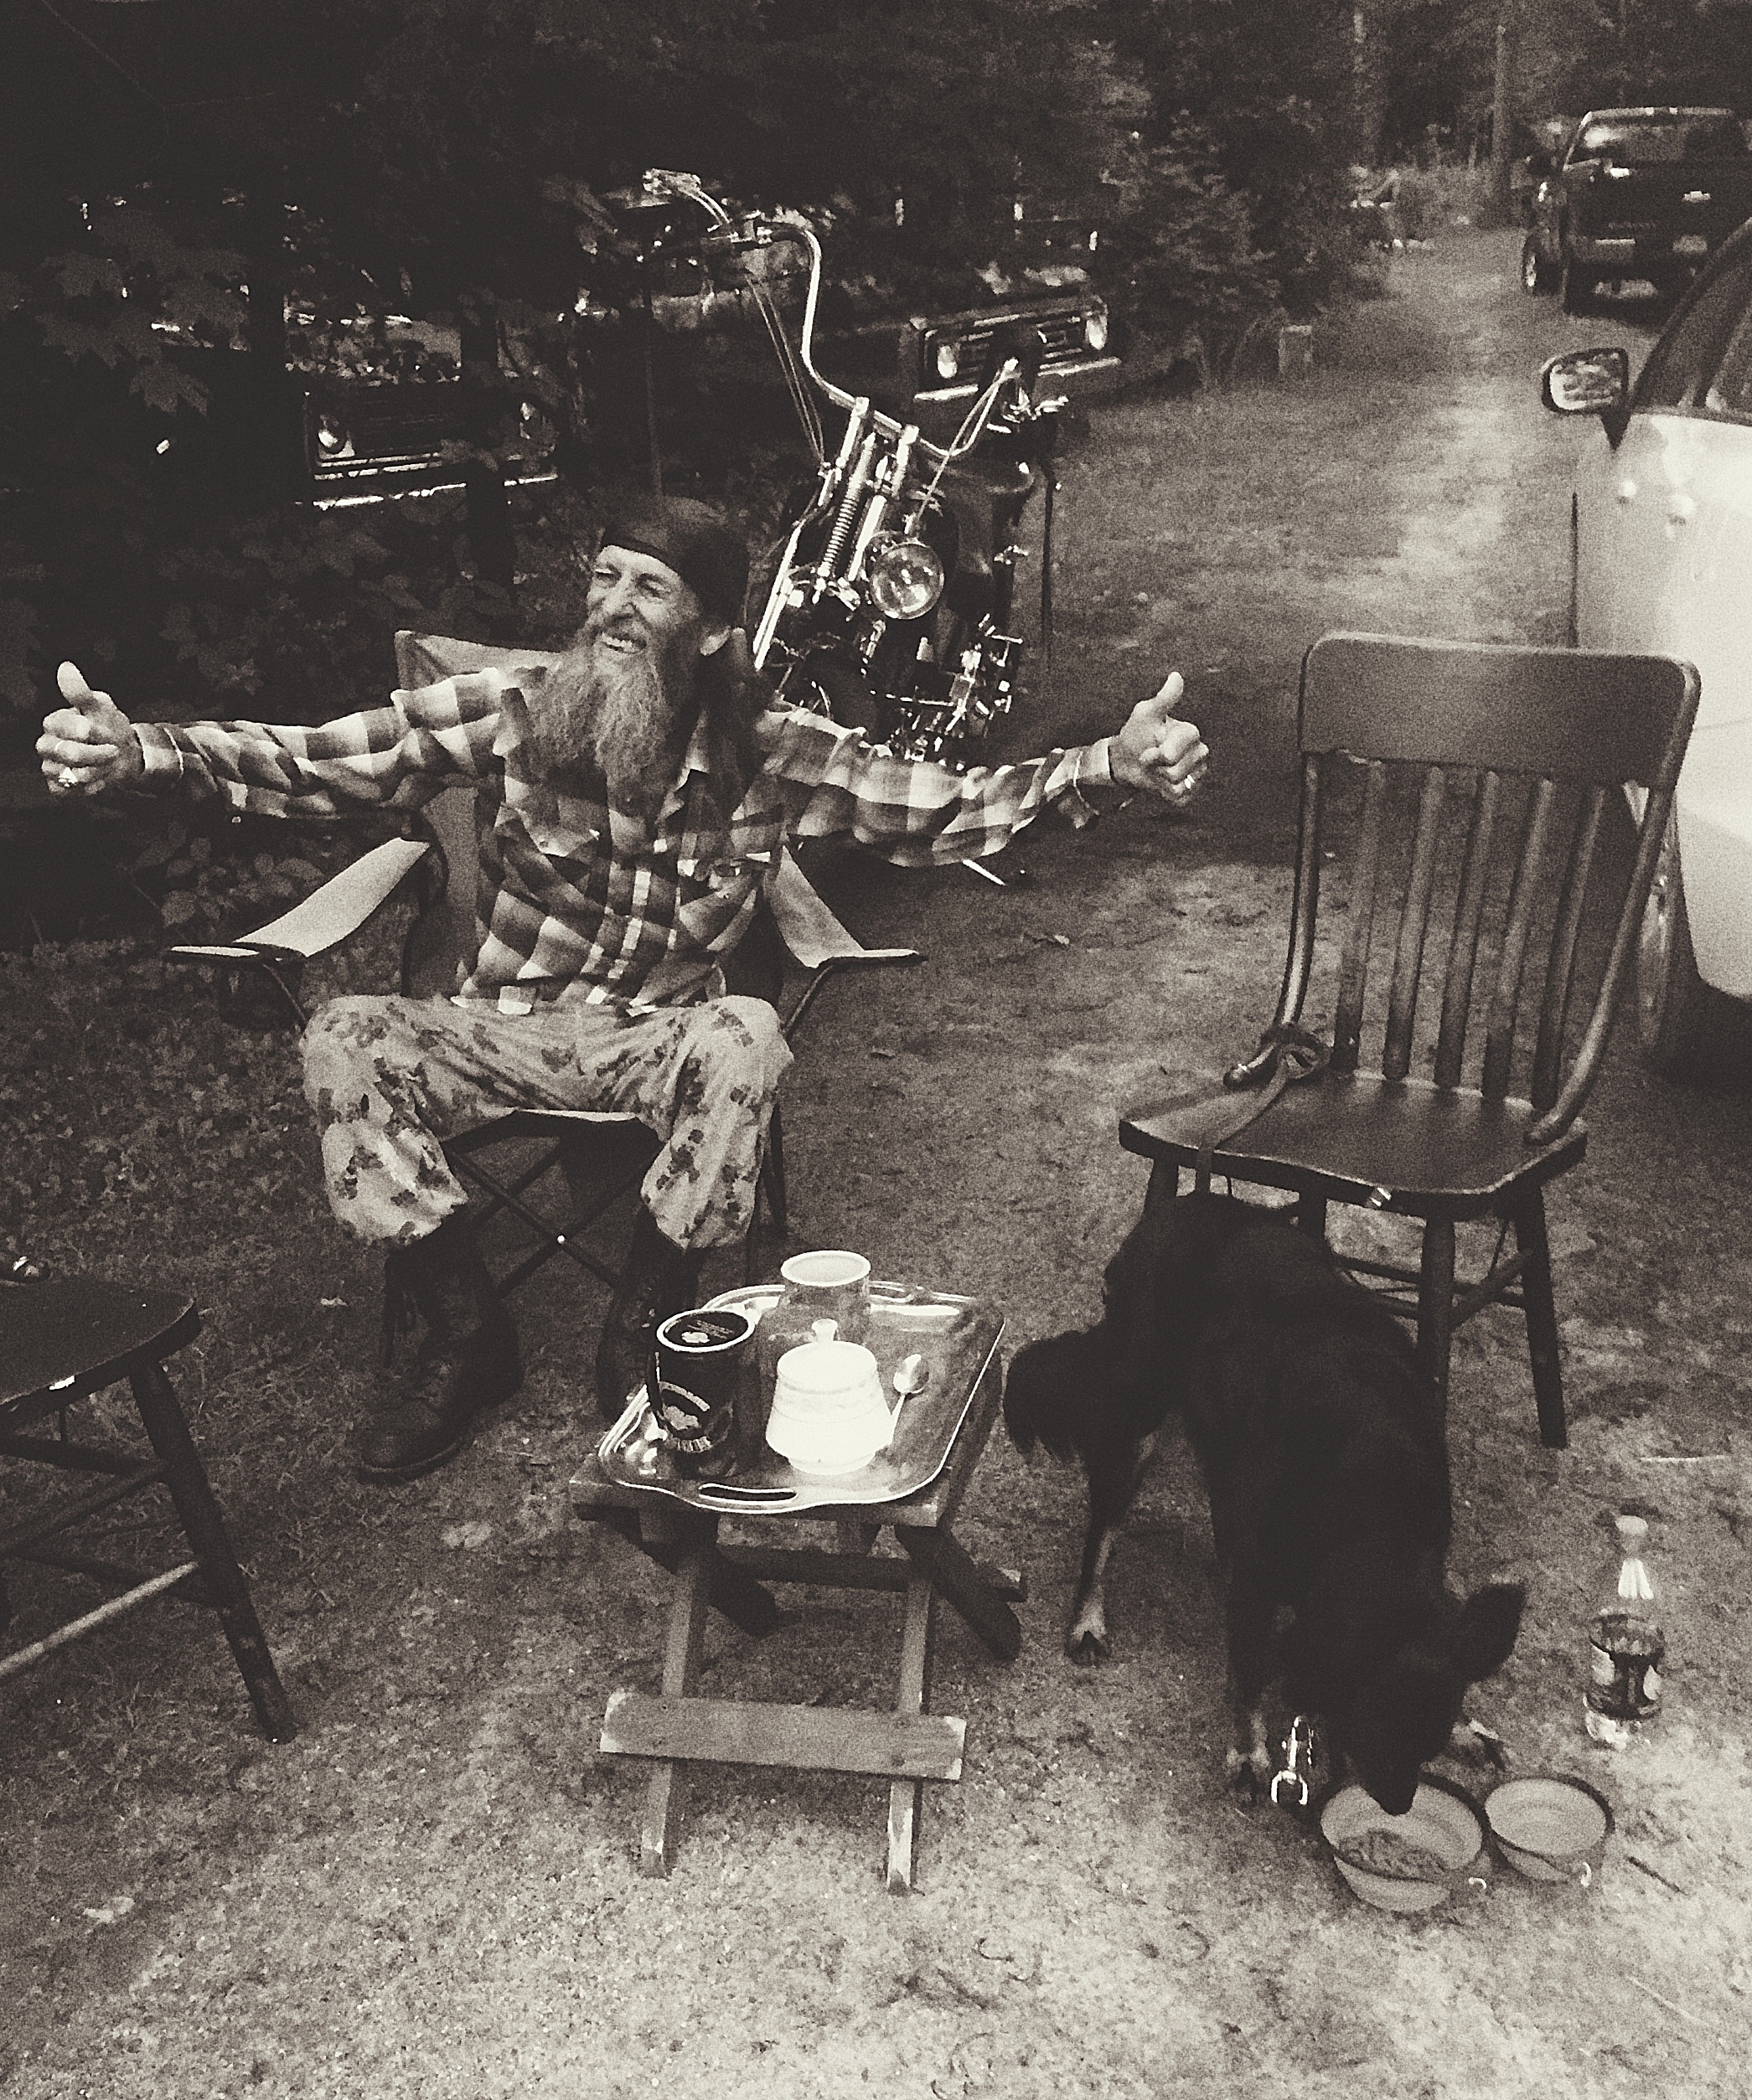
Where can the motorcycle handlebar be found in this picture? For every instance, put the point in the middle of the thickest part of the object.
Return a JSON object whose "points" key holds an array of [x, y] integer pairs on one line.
{"points": [[758, 230], [941, 456]]}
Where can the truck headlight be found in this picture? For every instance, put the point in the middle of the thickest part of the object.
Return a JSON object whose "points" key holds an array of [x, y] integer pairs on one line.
{"points": [[333, 439], [1094, 329], [949, 356], [905, 578]]}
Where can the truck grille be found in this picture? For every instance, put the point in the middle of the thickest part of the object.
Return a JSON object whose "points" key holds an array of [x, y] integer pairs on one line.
{"points": [[1066, 342]]}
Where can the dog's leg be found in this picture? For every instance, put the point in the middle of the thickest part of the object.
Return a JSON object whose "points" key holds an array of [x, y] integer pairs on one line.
{"points": [[1251, 1614], [1113, 1479]]}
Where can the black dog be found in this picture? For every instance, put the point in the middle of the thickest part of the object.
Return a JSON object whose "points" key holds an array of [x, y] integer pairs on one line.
{"points": [[1325, 1466]]}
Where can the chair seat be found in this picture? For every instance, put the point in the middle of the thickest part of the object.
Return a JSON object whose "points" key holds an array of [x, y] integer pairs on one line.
{"points": [[60, 1339], [1440, 1152]]}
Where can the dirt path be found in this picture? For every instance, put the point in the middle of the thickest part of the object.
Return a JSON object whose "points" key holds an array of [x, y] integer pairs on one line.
{"points": [[435, 1892]]}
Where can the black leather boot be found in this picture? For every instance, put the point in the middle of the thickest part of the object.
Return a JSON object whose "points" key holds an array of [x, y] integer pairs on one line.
{"points": [[660, 1278], [466, 1360]]}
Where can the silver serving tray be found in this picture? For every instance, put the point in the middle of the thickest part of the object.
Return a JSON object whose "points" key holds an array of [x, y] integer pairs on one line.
{"points": [[957, 1337]]}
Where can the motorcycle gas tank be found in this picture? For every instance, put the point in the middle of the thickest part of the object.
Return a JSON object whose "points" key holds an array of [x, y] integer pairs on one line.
{"points": [[987, 492]]}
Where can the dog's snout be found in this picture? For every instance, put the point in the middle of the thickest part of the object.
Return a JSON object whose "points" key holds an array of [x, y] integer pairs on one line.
{"points": [[1395, 1795]]}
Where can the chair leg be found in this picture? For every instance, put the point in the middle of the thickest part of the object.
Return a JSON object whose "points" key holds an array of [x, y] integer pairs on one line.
{"points": [[1435, 1310], [1541, 1320], [186, 1477], [683, 1653]]}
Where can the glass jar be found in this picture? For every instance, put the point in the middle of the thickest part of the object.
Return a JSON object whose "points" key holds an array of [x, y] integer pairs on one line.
{"points": [[830, 1284]]}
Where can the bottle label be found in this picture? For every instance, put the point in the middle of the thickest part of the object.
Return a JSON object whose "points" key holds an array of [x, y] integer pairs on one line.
{"points": [[1623, 1687]]}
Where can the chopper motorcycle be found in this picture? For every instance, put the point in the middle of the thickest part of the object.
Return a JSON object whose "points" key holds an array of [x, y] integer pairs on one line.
{"points": [[890, 604]]}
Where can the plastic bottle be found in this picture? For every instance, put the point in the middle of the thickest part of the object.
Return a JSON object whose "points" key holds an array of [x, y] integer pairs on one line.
{"points": [[1627, 1644]]}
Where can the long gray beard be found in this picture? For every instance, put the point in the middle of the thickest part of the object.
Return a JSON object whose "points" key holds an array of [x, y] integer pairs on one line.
{"points": [[621, 712]]}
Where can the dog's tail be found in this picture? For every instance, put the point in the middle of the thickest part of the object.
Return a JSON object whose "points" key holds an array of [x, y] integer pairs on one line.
{"points": [[1048, 1392]]}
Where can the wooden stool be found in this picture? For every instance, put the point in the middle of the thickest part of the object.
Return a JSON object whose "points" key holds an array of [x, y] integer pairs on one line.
{"points": [[60, 1342], [907, 1745]]}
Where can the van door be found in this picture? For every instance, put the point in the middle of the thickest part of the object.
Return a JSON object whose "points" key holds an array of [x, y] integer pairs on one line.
{"points": [[1646, 506]]}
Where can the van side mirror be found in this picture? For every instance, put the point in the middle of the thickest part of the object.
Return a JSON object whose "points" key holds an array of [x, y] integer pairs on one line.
{"points": [[1587, 382]]}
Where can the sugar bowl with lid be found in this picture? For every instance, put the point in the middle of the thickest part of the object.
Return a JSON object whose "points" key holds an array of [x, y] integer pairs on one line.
{"points": [[829, 1416]]}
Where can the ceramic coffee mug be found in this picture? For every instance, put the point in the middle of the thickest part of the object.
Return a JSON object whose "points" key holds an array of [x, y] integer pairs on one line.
{"points": [[697, 1361]]}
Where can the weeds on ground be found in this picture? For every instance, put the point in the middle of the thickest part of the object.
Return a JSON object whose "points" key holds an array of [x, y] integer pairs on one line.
{"points": [[146, 1139]]}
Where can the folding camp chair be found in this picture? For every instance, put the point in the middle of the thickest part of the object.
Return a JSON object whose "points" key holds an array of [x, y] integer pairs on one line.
{"points": [[1555, 735], [600, 1156]]}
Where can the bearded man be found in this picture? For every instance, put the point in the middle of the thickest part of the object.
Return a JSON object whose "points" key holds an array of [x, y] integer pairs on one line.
{"points": [[629, 801]]}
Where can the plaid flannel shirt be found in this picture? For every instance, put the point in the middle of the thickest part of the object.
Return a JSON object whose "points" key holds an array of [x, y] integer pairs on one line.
{"points": [[577, 900]]}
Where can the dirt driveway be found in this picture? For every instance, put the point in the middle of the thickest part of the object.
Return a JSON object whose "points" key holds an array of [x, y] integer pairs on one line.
{"points": [[434, 1891]]}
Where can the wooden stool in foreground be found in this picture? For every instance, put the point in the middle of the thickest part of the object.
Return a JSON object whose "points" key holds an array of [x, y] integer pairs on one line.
{"points": [[906, 1745]]}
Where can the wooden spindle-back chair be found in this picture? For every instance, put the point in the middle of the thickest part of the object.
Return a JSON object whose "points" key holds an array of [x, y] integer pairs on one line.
{"points": [[1533, 748]]}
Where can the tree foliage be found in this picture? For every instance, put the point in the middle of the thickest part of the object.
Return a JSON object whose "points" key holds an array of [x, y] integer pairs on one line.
{"points": [[460, 158], [1436, 63]]}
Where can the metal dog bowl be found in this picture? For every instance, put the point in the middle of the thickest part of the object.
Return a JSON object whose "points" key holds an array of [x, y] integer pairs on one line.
{"points": [[1413, 1862], [1549, 1827]]}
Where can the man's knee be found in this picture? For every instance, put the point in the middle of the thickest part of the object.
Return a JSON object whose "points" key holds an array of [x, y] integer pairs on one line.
{"points": [[750, 1034], [341, 1045], [755, 1018]]}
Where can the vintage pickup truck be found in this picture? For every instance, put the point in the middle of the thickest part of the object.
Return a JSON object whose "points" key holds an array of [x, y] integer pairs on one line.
{"points": [[1637, 194]]}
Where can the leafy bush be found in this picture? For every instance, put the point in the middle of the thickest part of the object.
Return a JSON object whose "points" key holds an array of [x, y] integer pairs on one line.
{"points": [[199, 893]]}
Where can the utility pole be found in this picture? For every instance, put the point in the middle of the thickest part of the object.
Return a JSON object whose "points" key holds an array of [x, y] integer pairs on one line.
{"points": [[1502, 109]]}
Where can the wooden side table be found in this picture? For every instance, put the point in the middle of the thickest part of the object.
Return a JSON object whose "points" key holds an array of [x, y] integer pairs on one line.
{"points": [[907, 1745]]}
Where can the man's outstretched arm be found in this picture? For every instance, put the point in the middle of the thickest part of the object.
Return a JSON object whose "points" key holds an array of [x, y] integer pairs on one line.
{"points": [[916, 812], [395, 756]]}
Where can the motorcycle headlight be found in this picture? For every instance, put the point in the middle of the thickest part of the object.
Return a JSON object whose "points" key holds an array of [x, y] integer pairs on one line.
{"points": [[905, 579], [949, 356], [1094, 330]]}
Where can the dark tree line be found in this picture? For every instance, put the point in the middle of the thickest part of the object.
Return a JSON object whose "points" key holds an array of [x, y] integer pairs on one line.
{"points": [[175, 168], [1428, 68]]}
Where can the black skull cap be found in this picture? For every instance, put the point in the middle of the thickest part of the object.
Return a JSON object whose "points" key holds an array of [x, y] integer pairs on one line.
{"points": [[710, 555]]}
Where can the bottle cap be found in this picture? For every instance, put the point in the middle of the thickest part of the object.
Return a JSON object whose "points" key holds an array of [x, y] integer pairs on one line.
{"points": [[1632, 1530]]}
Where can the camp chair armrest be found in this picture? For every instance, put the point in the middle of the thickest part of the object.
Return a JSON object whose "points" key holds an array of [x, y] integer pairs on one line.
{"points": [[328, 916]]}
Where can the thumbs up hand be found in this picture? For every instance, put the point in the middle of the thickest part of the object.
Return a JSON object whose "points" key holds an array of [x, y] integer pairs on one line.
{"points": [[1156, 750], [89, 745]]}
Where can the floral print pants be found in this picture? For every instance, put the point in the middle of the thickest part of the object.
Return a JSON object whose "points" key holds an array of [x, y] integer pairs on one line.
{"points": [[389, 1079]]}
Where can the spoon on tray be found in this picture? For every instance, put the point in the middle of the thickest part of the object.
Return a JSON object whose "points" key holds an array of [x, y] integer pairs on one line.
{"points": [[910, 1375]]}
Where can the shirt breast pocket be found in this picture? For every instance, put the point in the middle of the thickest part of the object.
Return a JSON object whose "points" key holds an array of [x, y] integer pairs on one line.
{"points": [[566, 850], [699, 880]]}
